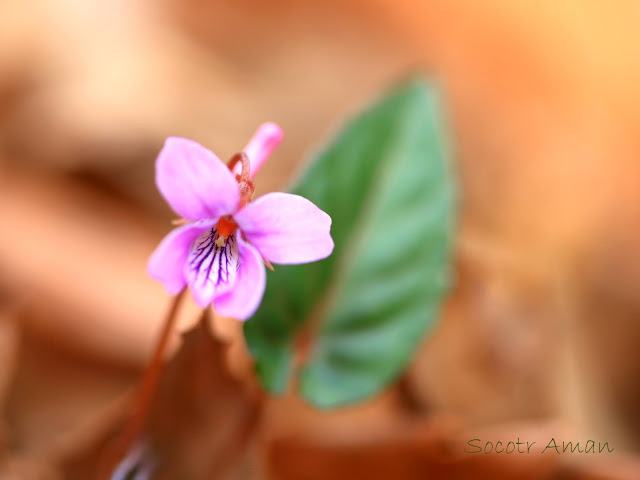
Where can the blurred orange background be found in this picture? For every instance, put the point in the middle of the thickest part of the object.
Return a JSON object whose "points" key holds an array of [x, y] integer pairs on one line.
{"points": [[539, 338]]}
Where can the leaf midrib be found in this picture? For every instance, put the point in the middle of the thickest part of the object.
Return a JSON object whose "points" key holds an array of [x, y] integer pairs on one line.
{"points": [[371, 202]]}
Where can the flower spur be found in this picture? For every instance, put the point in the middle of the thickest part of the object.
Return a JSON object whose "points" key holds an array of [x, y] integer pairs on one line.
{"points": [[221, 250]]}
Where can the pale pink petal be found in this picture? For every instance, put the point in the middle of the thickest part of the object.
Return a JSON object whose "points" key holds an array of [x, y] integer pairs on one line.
{"points": [[167, 261], [243, 300], [286, 228], [262, 144], [211, 268], [195, 183]]}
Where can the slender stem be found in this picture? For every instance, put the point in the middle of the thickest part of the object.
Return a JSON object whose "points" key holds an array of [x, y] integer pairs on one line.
{"points": [[154, 370], [144, 397], [245, 186], [241, 157]]}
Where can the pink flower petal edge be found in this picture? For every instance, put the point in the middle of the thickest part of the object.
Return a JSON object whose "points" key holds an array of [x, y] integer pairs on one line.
{"points": [[264, 141], [243, 301], [286, 228], [194, 182], [167, 261]]}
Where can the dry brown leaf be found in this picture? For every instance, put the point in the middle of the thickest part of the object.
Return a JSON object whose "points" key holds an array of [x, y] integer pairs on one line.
{"points": [[9, 347], [421, 449], [199, 425]]}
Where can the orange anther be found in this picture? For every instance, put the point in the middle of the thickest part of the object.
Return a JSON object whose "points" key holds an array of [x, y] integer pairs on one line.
{"points": [[226, 226]]}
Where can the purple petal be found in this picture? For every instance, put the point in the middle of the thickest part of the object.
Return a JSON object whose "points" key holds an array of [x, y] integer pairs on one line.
{"points": [[212, 266], [286, 228], [167, 261], [243, 300], [195, 183], [262, 144]]}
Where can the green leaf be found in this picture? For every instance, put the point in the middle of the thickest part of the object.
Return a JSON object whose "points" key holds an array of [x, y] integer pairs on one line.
{"points": [[386, 183]]}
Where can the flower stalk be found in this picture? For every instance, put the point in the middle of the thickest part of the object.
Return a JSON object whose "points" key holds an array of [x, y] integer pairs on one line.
{"points": [[143, 399], [152, 374]]}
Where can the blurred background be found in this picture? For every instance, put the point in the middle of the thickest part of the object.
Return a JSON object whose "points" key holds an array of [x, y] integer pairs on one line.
{"points": [[540, 337]]}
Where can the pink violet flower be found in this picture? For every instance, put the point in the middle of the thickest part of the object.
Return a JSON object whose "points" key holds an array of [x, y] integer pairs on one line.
{"points": [[222, 248]]}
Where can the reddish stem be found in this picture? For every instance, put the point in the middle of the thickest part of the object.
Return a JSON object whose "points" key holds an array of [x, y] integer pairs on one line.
{"points": [[246, 168], [146, 389], [154, 370], [245, 185]]}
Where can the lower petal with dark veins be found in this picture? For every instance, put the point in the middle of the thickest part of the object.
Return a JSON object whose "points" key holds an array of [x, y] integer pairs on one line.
{"points": [[212, 266]]}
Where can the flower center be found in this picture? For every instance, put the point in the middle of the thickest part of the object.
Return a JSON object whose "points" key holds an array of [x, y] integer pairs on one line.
{"points": [[213, 261], [225, 228]]}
